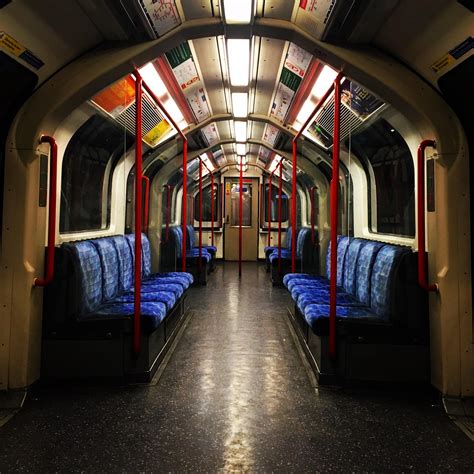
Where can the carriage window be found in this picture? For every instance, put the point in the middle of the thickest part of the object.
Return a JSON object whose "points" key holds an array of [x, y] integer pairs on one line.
{"points": [[87, 172], [390, 173], [274, 205], [206, 204]]}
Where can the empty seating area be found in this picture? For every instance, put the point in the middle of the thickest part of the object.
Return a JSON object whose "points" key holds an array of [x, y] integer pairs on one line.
{"points": [[199, 265], [88, 310], [307, 254], [381, 315]]}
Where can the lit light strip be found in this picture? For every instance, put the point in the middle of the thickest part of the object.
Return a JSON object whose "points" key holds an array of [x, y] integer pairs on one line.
{"points": [[238, 55], [275, 163], [237, 11], [241, 149], [240, 129], [240, 104]]}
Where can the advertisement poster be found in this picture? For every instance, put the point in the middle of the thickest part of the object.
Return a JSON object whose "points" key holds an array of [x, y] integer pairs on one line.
{"points": [[297, 60], [157, 133], [211, 133], [359, 100], [116, 98], [198, 102], [270, 134], [281, 103]]}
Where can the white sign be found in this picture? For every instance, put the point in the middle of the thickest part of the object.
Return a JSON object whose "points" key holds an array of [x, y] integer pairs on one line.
{"points": [[270, 134], [186, 74], [163, 14], [198, 102], [211, 133], [297, 60], [282, 101]]}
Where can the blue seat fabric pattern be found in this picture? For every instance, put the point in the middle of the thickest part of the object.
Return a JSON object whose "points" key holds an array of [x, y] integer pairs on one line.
{"points": [[104, 269]]}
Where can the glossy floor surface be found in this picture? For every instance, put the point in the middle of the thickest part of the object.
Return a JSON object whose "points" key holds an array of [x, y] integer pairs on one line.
{"points": [[234, 396]]}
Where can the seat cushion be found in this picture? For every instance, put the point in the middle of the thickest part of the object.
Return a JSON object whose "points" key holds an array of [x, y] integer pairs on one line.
{"points": [[317, 316], [319, 282], [153, 286], [212, 249], [297, 276], [152, 313], [186, 275], [317, 290], [323, 297], [286, 254], [167, 297], [175, 280]]}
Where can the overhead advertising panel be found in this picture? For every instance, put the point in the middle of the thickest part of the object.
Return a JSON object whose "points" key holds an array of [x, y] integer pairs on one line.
{"points": [[359, 100], [316, 15], [116, 98], [297, 60], [154, 136], [211, 133], [270, 134], [162, 14], [198, 102]]}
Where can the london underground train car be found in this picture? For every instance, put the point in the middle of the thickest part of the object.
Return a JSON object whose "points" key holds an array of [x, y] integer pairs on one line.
{"points": [[236, 236]]}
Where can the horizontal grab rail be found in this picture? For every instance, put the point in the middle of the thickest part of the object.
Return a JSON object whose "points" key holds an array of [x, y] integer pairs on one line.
{"points": [[51, 249], [422, 278]]}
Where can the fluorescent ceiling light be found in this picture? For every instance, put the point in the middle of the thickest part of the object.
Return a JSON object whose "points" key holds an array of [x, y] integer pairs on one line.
{"points": [[152, 78], [242, 159], [173, 110], [323, 82], [240, 129], [240, 104], [305, 111], [237, 11], [241, 149], [238, 54]]}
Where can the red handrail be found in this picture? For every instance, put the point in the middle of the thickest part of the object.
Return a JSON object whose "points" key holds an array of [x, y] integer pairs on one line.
{"points": [[200, 215], [334, 213], [280, 191], [311, 197], [212, 209], [294, 159], [147, 203], [422, 278], [270, 209], [240, 217], [136, 73], [51, 249], [138, 218]]}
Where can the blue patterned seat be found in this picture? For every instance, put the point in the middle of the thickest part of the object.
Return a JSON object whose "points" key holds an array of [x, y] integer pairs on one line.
{"points": [[191, 243], [169, 298], [376, 267]]}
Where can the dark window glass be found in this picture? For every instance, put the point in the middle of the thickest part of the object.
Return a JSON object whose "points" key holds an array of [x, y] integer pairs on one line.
{"points": [[274, 205], [87, 172], [389, 168], [206, 204]]}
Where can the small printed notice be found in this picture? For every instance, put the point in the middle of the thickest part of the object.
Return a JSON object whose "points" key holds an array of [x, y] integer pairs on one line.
{"points": [[10, 44], [163, 15], [198, 103], [454, 55], [211, 133], [270, 134]]}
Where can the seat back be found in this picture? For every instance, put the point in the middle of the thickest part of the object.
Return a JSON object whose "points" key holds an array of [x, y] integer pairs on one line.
{"points": [[363, 271], [289, 236], [190, 237], [381, 283], [146, 256], [126, 267], [109, 261], [342, 244], [88, 276], [176, 236], [350, 265], [302, 240]]}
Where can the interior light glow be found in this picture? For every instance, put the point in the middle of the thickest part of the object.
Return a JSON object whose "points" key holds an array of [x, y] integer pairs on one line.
{"points": [[275, 163], [240, 104], [242, 159], [238, 54], [240, 130], [305, 111], [324, 80], [152, 78], [241, 149], [173, 110], [207, 161], [237, 11]]}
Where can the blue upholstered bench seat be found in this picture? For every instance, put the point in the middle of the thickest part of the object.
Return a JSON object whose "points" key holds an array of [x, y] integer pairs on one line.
{"points": [[191, 243], [285, 254], [105, 281], [365, 284]]}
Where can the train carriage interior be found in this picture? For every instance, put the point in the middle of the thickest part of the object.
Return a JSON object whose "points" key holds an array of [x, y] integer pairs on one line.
{"points": [[236, 236]]}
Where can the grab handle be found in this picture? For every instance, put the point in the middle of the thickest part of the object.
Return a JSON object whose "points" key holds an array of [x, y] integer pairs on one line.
{"points": [[49, 272], [422, 278]]}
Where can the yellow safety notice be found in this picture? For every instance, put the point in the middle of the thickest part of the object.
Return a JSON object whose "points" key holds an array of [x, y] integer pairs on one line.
{"points": [[11, 44], [443, 62]]}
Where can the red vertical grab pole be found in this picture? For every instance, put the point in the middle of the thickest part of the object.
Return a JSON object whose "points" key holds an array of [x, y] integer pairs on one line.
{"points": [[422, 280], [147, 203], [53, 178], [138, 218], [269, 218], [280, 192], [240, 217], [184, 202], [212, 209], [334, 204], [293, 210], [200, 215]]}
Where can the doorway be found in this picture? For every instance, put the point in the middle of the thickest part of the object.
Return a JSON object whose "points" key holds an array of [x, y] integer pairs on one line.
{"points": [[250, 199]]}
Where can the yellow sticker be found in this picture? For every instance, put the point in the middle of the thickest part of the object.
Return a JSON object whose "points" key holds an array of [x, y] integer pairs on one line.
{"points": [[156, 133], [442, 63], [227, 188], [11, 44]]}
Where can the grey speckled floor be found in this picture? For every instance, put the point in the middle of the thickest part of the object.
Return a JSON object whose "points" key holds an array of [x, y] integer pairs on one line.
{"points": [[234, 397]]}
